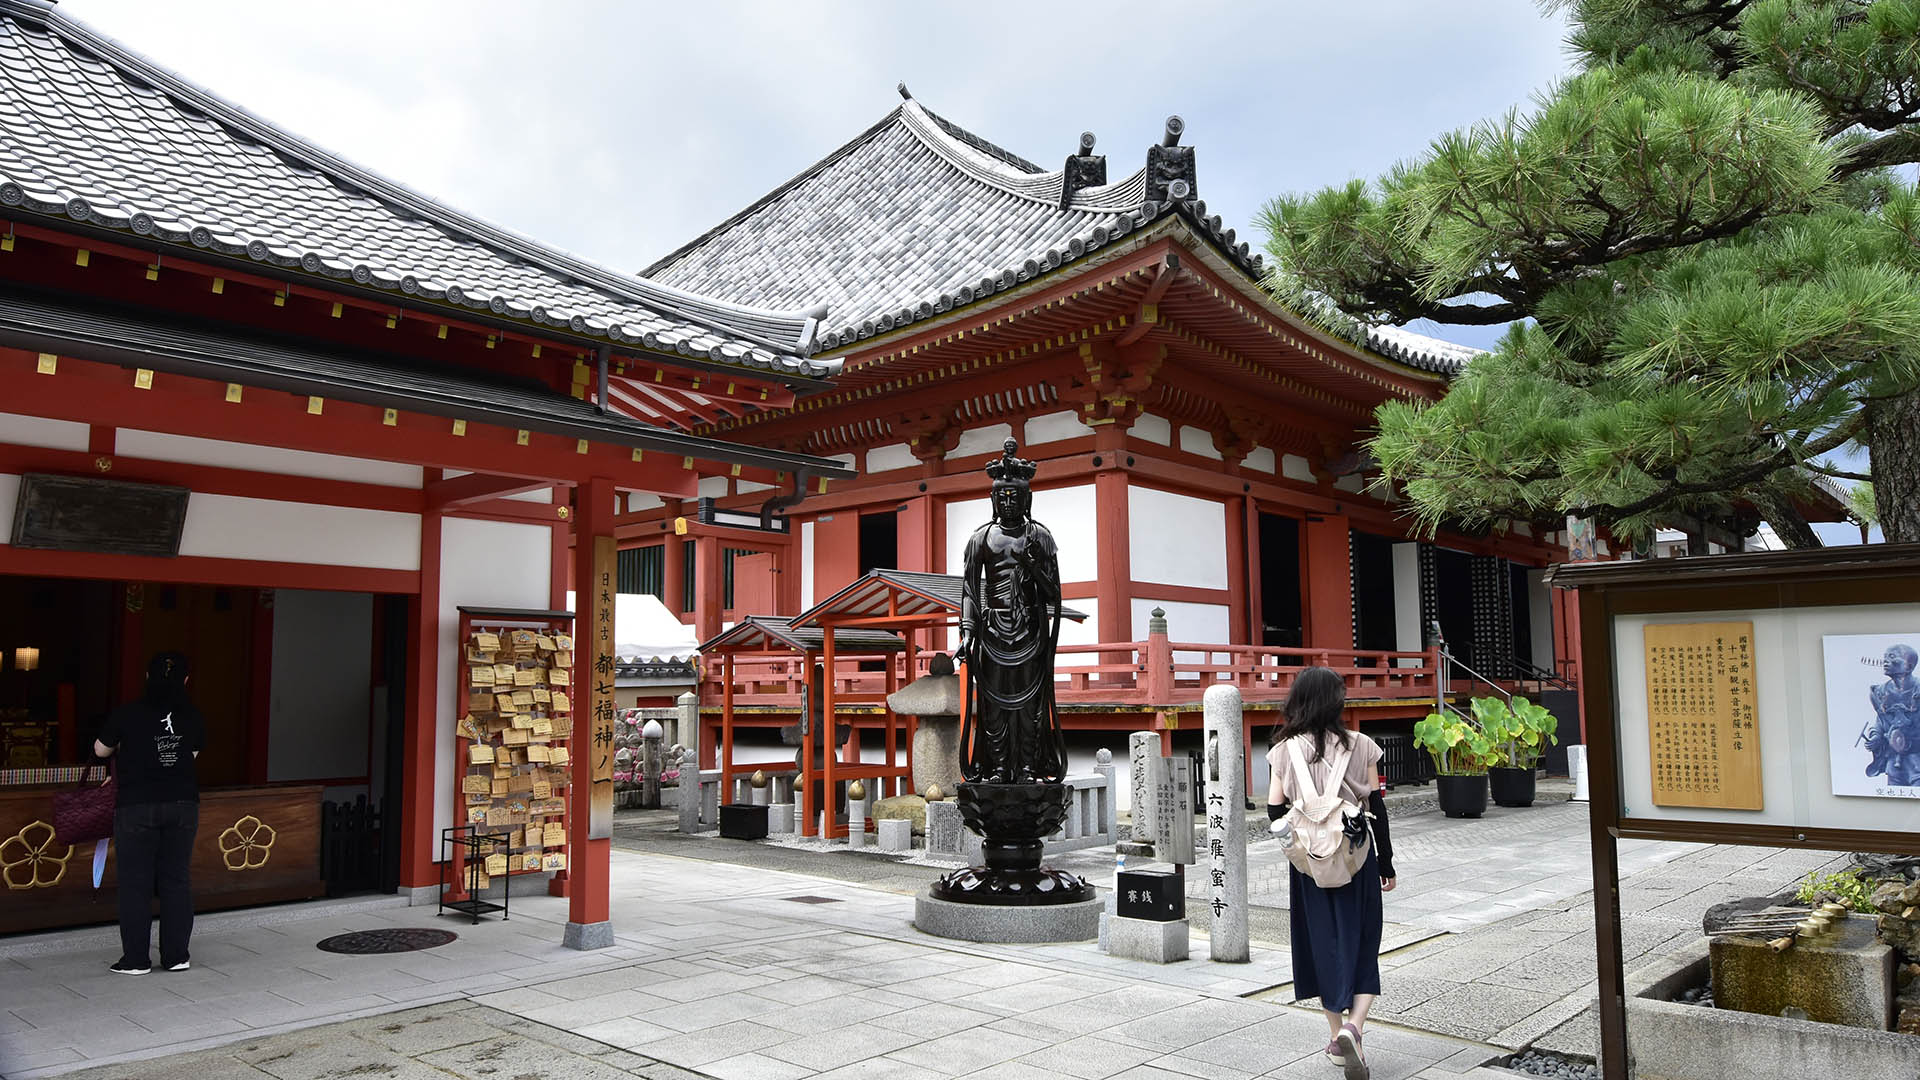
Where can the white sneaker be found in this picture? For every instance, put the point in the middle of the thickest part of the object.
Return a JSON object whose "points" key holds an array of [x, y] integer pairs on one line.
{"points": [[181, 966]]}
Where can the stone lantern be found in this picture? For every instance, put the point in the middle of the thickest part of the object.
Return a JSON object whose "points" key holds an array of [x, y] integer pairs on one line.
{"points": [[935, 699]]}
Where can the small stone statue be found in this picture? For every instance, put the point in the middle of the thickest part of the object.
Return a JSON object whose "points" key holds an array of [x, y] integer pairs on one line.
{"points": [[1009, 627], [1894, 737]]}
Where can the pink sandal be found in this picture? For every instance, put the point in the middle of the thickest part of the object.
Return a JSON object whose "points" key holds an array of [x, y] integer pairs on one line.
{"points": [[1349, 1043]]}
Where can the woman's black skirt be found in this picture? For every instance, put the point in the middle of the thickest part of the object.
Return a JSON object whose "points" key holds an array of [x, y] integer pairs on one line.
{"points": [[1336, 937]]}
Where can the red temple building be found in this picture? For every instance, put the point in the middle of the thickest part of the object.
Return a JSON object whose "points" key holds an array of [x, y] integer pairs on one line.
{"points": [[1198, 443], [304, 424]]}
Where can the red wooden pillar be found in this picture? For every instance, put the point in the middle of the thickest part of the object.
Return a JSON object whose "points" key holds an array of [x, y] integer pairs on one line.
{"points": [[1329, 615], [418, 840], [1113, 558], [708, 599], [1237, 583], [590, 778], [673, 570]]}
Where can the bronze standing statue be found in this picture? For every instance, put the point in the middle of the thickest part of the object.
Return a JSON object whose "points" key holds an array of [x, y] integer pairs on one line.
{"points": [[1014, 758], [1009, 625]]}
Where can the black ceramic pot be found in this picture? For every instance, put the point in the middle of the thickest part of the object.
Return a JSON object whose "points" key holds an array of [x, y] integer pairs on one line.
{"points": [[1462, 796], [1511, 787]]}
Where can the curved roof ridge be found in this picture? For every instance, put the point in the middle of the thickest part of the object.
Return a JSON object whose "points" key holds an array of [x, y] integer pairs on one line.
{"points": [[782, 330], [1041, 187]]}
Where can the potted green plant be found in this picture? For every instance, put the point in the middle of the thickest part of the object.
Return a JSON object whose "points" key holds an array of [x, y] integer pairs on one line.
{"points": [[1521, 731], [1460, 753]]}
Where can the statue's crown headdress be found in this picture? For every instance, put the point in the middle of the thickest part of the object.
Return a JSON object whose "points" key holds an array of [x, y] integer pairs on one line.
{"points": [[1009, 468]]}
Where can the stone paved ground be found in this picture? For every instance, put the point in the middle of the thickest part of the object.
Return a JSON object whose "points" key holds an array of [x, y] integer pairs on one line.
{"points": [[733, 966], [455, 1039]]}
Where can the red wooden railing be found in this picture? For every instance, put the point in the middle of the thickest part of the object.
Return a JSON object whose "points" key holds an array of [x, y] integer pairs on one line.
{"points": [[1155, 672]]}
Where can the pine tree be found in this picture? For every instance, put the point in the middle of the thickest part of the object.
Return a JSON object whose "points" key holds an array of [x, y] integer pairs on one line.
{"points": [[1715, 265]]}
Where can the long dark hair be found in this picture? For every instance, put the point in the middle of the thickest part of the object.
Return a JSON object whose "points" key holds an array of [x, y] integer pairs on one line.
{"points": [[1313, 708], [167, 680]]}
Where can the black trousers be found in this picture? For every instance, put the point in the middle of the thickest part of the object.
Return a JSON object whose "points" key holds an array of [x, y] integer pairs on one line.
{"points": [[153, 848]]}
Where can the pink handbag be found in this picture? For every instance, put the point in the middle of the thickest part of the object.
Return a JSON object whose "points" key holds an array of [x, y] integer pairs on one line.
{"points": [[85, 815]]}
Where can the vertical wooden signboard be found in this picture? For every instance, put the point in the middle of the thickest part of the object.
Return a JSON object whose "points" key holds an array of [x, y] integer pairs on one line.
{"points": [[600, 644], [1701, 715]]}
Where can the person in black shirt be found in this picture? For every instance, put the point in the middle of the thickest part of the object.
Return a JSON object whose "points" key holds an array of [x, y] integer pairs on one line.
{"points": [[156, 813]]}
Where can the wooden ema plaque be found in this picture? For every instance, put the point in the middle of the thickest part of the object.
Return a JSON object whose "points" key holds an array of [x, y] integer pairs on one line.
{"points": [[1701, 715]]}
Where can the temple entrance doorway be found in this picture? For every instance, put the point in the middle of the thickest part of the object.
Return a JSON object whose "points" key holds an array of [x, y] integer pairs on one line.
{"points": [[1280, 591]]}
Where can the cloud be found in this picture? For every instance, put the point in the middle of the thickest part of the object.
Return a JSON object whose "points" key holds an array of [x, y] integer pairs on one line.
{"points": [[620, 130]]}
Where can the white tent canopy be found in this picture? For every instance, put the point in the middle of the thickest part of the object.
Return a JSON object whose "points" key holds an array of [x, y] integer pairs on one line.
{"points": [[643, 629]]}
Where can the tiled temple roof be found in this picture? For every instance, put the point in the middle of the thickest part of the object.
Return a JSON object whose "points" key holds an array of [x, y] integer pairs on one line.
{"points": [[917, 216], [97, 135]]}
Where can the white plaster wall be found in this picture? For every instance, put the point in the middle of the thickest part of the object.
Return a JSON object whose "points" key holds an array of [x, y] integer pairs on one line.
{"points": [[234, 527], [806, 565], [1351, 482], [1177, 539], [642, 500], [1055, 426], [1068, 513], [982, 440], [9, 494], [320, 713], [844, 459], [748, 487], [39, 431], [964, 516], [1202, 624], [1260, 458], [1081, 633], [159, 446], [543, 495], [1406, 598], [1199, 441], [1295, 467], [1153, 429], [1540, 618], [889, 458], [482, 564], [712, 487]]}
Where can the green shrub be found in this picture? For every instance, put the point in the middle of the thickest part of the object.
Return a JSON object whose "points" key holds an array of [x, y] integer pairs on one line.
{"points": [[1847, 886]]}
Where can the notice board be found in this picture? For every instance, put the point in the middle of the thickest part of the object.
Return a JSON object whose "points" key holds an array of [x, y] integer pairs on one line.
{"points": [[1701, 715]]}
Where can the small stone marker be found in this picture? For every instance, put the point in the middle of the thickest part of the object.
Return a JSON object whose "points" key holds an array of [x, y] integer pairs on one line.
{"points": [[1226, 786], [944, 827], [1172, 799], [856, 815], [780, 819], [1143, 751], [762, 796], [896, 834]]}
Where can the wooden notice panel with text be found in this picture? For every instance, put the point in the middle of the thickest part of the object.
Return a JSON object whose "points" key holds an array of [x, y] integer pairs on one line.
{"points": [[599, 641], [1701, 715]]}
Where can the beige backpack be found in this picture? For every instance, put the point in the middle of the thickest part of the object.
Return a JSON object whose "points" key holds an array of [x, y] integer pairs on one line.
{"points": [[1319, 847]]}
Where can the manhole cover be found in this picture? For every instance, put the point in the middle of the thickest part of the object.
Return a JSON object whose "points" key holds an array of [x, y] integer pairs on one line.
{"points": [[366, 942], [811, 899]]}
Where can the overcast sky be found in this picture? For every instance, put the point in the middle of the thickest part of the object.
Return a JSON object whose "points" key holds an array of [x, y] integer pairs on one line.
{"points": [[620, 130]]}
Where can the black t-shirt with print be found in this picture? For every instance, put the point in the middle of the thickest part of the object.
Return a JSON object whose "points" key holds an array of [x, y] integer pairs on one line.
{"points": [[154, 748]]}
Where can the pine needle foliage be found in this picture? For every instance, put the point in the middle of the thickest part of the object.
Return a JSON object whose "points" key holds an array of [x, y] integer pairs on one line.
{"points": [[1713, 274]]}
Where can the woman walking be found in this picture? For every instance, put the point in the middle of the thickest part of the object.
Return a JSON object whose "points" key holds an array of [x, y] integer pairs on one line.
{"points": [[156, 812], [1335, 931]]}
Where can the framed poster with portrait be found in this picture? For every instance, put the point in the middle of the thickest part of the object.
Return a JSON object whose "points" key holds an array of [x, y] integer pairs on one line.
{"points": [[1873, 714]]}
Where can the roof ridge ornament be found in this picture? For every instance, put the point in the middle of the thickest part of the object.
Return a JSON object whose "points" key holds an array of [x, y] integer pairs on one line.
{"points": [[905, 94], [1171, 176], [1083, 170]]}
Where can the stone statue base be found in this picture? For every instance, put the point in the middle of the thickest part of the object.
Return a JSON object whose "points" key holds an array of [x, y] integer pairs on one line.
{"points": [[1013, 821]]}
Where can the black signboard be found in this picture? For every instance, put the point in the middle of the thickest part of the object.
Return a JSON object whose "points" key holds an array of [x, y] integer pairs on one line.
{"points": [[87, 513]]}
